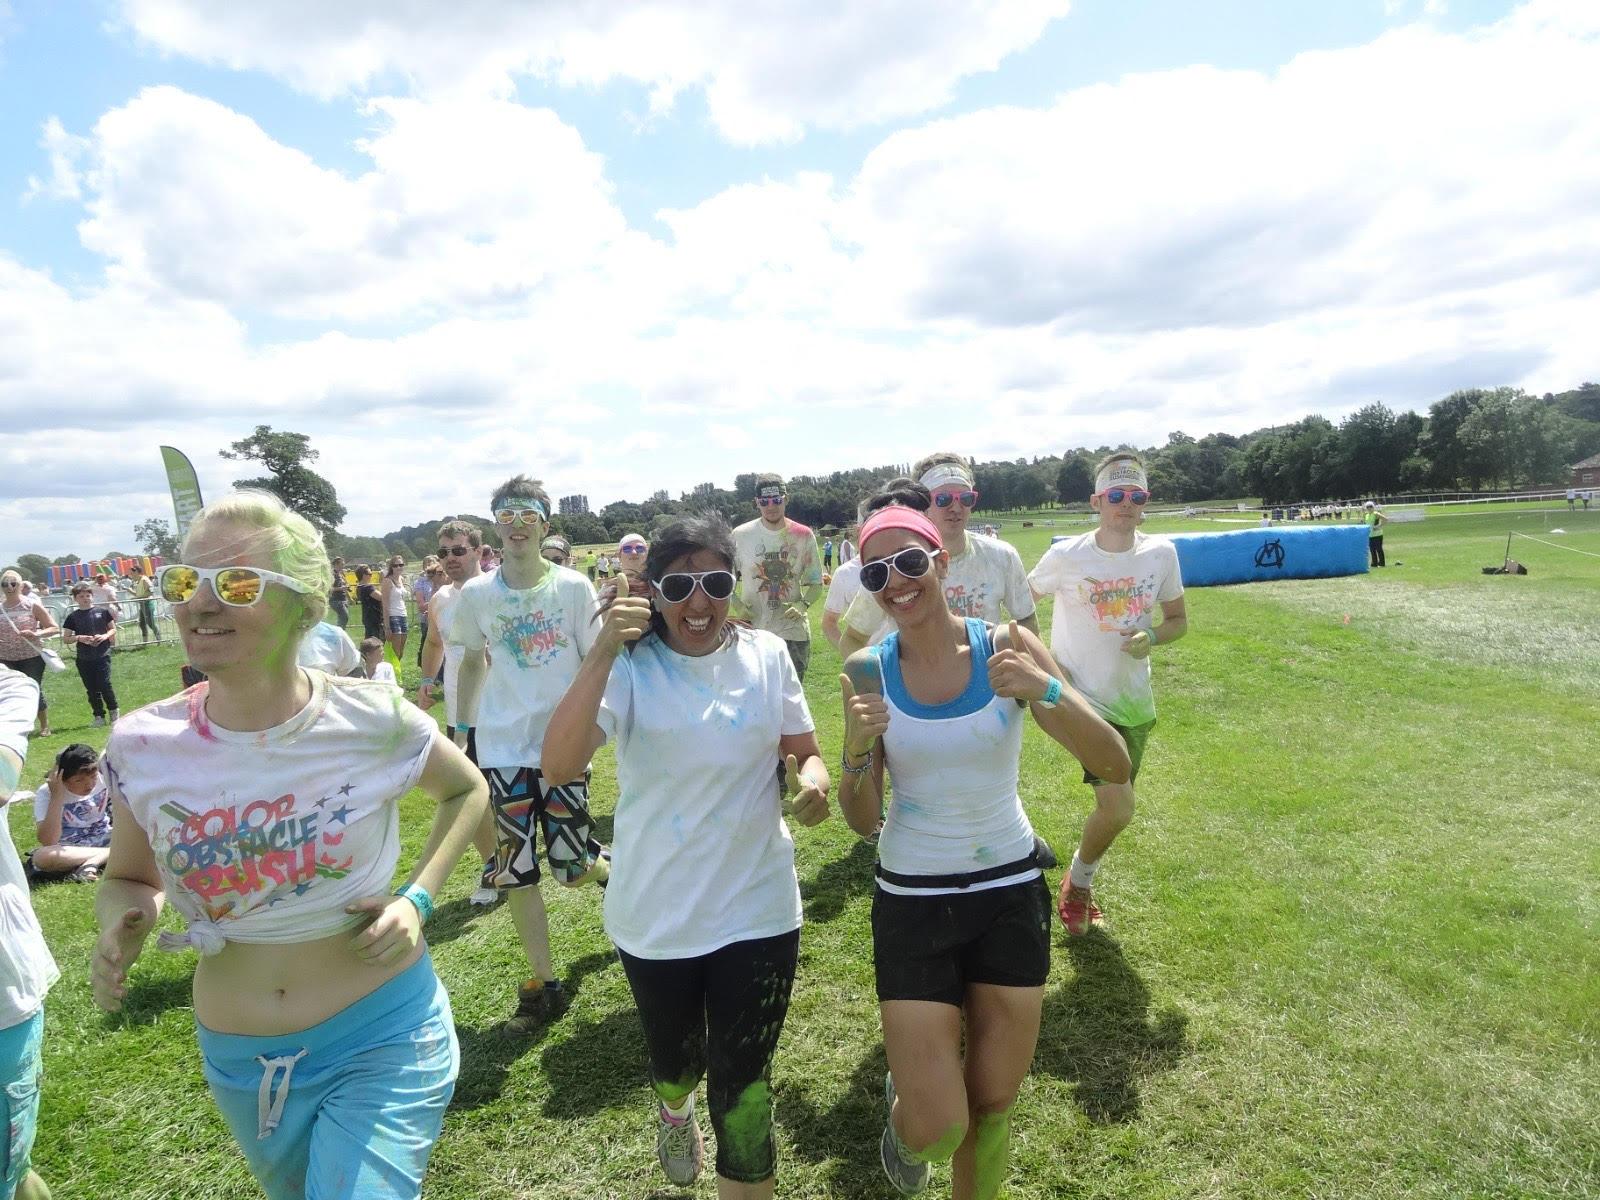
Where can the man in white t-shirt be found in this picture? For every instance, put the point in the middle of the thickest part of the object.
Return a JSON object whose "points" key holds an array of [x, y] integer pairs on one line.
{"points": [[780, 571], [1107, 585], [459, 543], [536, 621]]}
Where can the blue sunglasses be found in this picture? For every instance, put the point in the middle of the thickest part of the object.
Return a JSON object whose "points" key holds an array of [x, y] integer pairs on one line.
{"points": [[1118, 495]]}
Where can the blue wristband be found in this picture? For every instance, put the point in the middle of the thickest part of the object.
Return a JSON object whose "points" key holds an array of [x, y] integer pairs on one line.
{"points": [[418, 895], [1052, 694], [460, 728]]}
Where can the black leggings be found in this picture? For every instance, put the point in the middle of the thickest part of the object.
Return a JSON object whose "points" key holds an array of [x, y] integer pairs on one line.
{"points": [[1375, 550], [33, 668], [719, 1015]]}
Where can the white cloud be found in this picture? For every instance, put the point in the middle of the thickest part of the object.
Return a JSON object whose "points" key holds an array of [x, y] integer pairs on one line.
{"points": [[470, 203], [1380, 174], [767, 70], [66, 154], [1194, 249]]}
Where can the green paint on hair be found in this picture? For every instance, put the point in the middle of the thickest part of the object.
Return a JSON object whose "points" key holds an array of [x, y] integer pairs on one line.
{"points": [[747, 1128], [991, 1155], [942, 1150]]}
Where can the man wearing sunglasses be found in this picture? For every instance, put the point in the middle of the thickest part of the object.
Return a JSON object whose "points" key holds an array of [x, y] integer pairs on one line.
{"points": [[1107, 585], [985, 579], [556, 549], [780, 571], [536, 621], [459, 543]]}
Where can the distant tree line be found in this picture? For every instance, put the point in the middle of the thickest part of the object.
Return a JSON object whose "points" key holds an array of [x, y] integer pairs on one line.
{"points": [[1471, 440]]}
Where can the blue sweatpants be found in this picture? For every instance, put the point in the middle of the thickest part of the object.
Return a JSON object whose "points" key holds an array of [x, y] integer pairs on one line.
{"points": [[20, 1046], [350, 1107]]}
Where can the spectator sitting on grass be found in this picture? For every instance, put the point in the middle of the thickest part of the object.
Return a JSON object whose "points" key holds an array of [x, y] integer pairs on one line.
{"points": [[72, 817]]}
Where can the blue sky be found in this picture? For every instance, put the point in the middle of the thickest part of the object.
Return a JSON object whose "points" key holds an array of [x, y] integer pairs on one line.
{"points": [[644, 246]]}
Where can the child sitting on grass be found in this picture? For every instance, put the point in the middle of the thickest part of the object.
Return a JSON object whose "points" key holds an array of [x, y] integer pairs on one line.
{"points": [[72, 817]]}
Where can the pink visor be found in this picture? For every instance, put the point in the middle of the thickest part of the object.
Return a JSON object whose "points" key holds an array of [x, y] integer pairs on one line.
{"points": [[898, 516]]}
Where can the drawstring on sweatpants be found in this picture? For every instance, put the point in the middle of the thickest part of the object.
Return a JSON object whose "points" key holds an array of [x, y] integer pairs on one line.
{"points": [[269, 1107]]}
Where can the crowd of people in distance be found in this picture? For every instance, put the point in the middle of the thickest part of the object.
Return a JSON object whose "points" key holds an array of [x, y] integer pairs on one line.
{"points": [[262, 804]]}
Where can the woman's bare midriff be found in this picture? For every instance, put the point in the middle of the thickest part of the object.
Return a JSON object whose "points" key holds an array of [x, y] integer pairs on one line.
{"points": [[269, 988]]}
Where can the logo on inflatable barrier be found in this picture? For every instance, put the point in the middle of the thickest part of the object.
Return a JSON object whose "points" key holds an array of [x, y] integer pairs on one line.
{"points": [[1270, 554]]}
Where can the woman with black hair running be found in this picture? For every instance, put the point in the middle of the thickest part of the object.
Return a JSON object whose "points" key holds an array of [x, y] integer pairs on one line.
{"points": [[704, 903], [961, 915]]}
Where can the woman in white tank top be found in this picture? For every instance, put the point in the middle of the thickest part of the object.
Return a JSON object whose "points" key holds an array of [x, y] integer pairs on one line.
{"points": [[961, 916]]}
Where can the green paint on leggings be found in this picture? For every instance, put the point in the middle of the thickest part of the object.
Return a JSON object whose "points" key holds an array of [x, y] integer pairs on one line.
{"points": [[949, 1142], [674, 1092], [991, 1155], [747, 1127]]}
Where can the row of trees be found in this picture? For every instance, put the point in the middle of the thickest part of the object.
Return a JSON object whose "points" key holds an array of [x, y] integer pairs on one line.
{"points": [[1470, 440]]}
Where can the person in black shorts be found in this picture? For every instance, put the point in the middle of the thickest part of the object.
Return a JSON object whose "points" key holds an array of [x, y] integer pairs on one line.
{"points": [[961, 915]]}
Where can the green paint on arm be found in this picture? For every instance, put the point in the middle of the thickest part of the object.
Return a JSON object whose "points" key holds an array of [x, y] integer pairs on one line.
{"points": [[747, 1127], [991, 1155], [10, 771]]}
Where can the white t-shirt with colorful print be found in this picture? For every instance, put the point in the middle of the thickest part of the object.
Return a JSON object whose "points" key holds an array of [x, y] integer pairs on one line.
{"points": [[775, 567], [1098, 594], [267, 836], [986, 583], [536, 637]]}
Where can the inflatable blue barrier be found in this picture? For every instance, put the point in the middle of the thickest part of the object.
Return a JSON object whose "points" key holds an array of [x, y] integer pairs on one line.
{"points": [[1271, 552], [1267, 552]]}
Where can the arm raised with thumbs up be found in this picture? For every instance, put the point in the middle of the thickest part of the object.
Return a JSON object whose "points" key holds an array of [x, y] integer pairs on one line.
{"points": [[806, 784], [866, 717], [573, 736], [1021, 669]]}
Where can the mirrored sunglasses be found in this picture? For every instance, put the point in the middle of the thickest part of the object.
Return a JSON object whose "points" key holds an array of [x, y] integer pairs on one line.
{"points": [[238, 587], [679, 585], [912, 563], [1118, 495], [769, 501], [527, 515], [945, 499]]}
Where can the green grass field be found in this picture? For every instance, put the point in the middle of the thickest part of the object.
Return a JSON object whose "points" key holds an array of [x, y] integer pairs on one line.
{"points": [[1354, 940]]}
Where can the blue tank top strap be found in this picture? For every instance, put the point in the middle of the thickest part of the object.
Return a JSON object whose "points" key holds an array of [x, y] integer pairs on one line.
{"points": [[973, 698]]}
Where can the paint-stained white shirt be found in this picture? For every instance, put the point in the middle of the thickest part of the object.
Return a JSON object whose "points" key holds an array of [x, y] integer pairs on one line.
{"points": [[701, 857]]}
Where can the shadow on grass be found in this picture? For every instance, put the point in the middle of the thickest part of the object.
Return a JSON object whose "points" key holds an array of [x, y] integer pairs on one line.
{"points": [[1097, 1031], [844, 1136], [827, 892], [487, 1054], [450, 921], [148, 998], [598, 1065]]}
